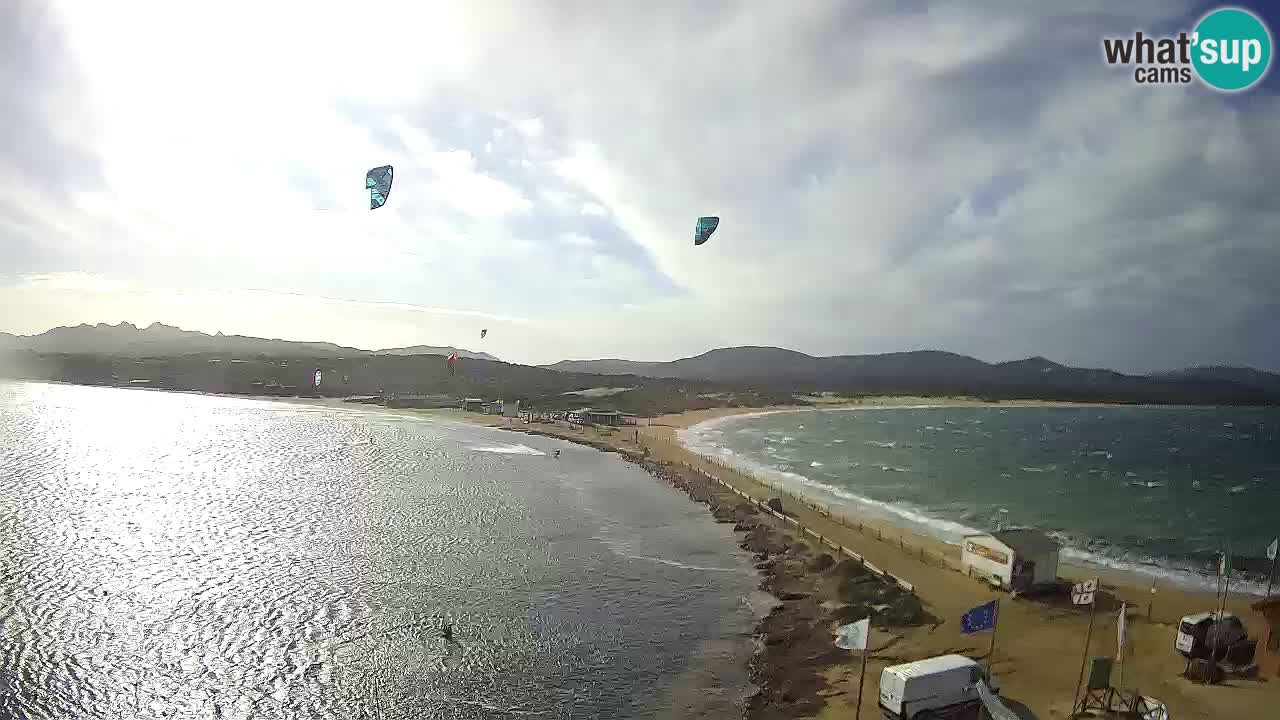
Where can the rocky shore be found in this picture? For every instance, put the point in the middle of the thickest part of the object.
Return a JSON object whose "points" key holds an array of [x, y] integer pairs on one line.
{"points": [[815, 594]]}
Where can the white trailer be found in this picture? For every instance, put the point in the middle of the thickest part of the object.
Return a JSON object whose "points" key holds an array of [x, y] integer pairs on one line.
{"points": [[1013, 559], [938, 687]]}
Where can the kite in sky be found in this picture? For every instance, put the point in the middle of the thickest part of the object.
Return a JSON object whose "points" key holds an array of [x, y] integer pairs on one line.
{"points": [[706, 226], [483, 333], [378, 182]]}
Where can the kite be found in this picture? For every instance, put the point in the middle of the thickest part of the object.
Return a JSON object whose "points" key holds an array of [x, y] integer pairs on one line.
{"points": [[317, 376], [453, 360], [706, 226], [378, 182], [483, 333]]}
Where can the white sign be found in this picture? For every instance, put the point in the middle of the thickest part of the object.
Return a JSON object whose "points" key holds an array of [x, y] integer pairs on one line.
{"points": [[854, 635], [1082, 592]]}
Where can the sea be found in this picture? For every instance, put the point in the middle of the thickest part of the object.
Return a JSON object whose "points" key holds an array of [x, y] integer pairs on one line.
{"points": [[169, 555], [1159, 491]]}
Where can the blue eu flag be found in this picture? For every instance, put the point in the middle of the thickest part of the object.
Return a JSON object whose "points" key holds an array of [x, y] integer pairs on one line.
{"points": [[978, 619]]}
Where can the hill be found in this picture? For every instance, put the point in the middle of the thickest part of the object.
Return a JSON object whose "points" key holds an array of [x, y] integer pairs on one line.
{"points": [[158, 340], [935, 372], [1220, 373], [434, 350]]}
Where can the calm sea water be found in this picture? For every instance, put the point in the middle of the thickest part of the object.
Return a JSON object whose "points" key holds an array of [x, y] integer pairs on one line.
{"points": [[181, 556], [1159, 490]]}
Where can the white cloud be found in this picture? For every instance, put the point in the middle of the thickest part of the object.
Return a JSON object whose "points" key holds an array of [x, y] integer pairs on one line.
{"points": [[531, 128], [888, 177]]}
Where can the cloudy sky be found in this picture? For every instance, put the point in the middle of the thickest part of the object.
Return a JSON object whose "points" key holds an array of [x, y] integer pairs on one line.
{"points": [[890, 176]]}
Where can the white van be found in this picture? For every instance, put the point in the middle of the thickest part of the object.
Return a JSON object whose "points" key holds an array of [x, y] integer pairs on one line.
{"points": [[937, 687]]}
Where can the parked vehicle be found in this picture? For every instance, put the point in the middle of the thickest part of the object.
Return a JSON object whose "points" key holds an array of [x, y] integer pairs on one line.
{"points": [[931, 689], [1201, 633]]}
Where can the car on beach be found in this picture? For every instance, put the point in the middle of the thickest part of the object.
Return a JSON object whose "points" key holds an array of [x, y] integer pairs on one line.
{"points": [[939, 687], [1203, 633]]}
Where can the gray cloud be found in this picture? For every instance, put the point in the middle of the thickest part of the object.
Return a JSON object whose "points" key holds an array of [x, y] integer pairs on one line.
{"points": [[926, 175]]}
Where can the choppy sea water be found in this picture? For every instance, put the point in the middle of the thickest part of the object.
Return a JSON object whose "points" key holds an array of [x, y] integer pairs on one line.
{"points": [[1150, 489], [182, 556]]}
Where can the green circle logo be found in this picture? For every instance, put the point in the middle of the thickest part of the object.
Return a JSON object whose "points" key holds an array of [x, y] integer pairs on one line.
{"points": [[1231, 49]]}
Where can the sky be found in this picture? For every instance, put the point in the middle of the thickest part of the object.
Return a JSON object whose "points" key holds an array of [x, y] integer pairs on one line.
{"points": [[890, 176]]}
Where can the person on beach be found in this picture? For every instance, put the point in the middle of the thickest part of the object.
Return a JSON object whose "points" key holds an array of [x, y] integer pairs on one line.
{"points": [[557, 454], [447, 632]]}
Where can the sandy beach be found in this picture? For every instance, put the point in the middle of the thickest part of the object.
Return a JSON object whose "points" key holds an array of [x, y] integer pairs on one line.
{"points": [[1040, 642]]}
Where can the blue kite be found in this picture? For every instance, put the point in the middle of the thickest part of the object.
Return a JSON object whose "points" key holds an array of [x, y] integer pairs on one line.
{"points": [[378, 182], [706, 226]]}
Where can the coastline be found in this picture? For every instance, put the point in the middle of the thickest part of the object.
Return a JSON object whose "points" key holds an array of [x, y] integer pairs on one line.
{"points": [[1041, 641]]}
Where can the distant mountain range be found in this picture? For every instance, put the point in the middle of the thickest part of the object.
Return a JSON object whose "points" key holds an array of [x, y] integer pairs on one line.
{"points": [[775, 370], [934, 372], [158, 340], [433, 350]]}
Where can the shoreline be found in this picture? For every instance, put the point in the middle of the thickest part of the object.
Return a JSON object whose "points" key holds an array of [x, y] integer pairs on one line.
{"points": [[1039, 655], [933, 529]]}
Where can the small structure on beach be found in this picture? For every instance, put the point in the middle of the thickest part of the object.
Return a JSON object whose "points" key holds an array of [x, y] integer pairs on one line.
{"points": [[1015, 559], [473, 404], [1267, 655], [510, 408], [588, 416]]}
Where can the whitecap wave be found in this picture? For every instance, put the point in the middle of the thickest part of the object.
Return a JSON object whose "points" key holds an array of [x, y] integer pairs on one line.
{"points": [[509, 450]]}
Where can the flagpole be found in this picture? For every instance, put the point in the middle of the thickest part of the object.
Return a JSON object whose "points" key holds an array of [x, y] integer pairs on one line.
{"points": [[862, 675], [1271, 578], [995, 622], [1085, 659], [1122, 635], [1224, 568]]}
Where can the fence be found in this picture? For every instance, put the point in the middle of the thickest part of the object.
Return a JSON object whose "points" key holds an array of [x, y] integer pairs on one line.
{"points": [[842, 520]]}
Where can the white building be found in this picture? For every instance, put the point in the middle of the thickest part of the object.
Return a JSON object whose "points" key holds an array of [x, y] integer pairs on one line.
{"points": [[510, 408], [1017, 559]]}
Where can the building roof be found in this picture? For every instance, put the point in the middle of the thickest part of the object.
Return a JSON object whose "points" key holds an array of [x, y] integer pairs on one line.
{"points": [[1263, 606], [1023, 541], [940, 663], [1027, 541]]}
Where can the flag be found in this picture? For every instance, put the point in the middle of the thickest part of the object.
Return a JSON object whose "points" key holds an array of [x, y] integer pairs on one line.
{"points": [[1271, 549], [854, 635], [978, 619], [1082, 592], [1122, 630]]}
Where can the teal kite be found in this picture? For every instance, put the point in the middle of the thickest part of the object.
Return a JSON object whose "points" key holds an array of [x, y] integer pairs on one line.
{"points": [[378, 183], [706, 226]]}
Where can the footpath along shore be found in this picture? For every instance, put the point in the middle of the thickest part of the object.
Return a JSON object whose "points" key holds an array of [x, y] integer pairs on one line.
{"points": [[1039, 643]]}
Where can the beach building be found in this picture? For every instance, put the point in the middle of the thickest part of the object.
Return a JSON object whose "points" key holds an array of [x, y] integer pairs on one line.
{"points": [[473, 404], [510, 408], [1016, 559], [602, 417], [1267, 655]]}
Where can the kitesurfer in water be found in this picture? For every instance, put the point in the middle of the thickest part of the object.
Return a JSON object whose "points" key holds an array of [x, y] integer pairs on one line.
{"points": [[557, 454], [447, 631]]}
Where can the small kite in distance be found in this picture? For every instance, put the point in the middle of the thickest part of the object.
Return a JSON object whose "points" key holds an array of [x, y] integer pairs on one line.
{"points": [[483, 333], [706, 226], [378, 182]]}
